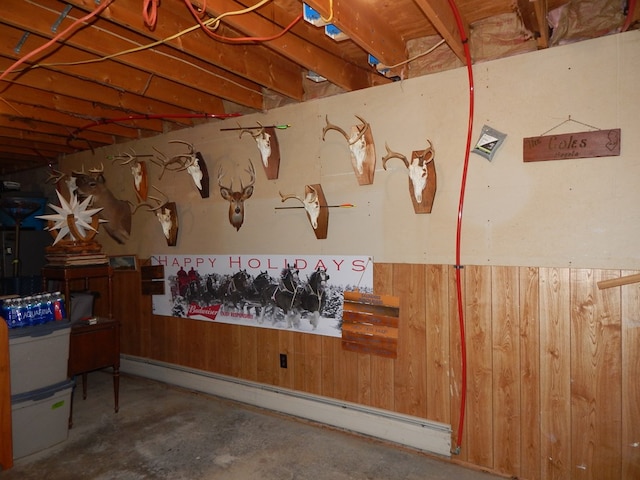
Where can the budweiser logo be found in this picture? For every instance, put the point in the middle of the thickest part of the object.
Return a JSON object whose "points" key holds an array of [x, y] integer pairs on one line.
{"points": [[210, 312]]}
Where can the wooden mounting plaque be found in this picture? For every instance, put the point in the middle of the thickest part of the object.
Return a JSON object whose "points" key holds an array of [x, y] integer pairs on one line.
{"points": [[600, 143], [272, 169], [370, 324]]}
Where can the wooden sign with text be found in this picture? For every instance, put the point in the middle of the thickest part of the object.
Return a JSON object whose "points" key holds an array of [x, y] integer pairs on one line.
{"points": [[600, 143], [370, 323]]}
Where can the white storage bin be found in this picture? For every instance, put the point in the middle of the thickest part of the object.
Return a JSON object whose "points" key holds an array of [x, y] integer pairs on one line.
{"points": [[38, 356], [40, 418]]}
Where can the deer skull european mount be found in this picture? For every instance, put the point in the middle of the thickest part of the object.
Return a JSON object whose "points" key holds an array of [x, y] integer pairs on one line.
{"points": [[315, 205], [422, 176], [361, 148], [192, 162], [267, 143], [166, 213], [138, 171]]}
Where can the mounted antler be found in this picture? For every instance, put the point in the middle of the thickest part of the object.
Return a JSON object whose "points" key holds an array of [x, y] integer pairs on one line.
{"points": [[361, 146], [236, 199], [418, 168], [351, 139], [117, 213], [138, 170], [65, 185], [315, 204], [167, 214], [310, 202], [267, 143], [176, 163], [192, 162]]}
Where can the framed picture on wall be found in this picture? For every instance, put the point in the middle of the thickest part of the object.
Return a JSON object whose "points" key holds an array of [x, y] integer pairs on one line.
{"points": [[124, 262]]}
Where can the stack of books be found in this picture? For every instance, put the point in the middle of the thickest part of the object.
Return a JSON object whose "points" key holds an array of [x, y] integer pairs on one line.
{"points": [[69, 254]]}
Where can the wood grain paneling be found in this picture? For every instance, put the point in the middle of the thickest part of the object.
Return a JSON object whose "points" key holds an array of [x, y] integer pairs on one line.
{"points": [[630, 444], [480, 409], [506, 369], [555, 373], [552, 362], [410, 382], [529, 373]]}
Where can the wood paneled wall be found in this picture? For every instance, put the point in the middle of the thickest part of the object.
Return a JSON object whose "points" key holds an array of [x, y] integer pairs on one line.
{"points": [[552, 362]]}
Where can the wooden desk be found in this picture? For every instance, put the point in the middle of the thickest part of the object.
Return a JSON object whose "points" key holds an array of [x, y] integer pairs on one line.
{"points": [[93, 347], [85, 272]]}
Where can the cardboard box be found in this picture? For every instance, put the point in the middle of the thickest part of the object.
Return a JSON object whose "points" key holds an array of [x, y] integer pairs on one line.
{"points": [[38, 356], [40, 418]]}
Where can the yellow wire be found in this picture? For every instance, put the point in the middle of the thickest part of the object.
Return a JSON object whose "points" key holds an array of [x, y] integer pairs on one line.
{"points": [[418, 55], [330, 19], [215, 20]]}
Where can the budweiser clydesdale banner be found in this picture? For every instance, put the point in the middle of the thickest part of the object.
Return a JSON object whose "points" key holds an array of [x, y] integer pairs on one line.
{"points": [[301, 292]]}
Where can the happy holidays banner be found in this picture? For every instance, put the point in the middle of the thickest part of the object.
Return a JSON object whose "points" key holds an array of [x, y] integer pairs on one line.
{"points": [[303, 292]]}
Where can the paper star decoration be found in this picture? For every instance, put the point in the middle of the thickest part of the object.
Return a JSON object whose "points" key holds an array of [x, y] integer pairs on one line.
{"points": [[81, 217]]}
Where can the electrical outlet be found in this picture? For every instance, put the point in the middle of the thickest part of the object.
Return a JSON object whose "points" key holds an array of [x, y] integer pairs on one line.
{"points": [[283, 360]]}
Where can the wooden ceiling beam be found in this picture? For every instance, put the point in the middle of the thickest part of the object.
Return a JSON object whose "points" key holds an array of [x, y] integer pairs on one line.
{"points": [[32, 136], [68, 85], [87, 111], [441, 16], [336, 70], [38, 18], [30, 112], [29, 150], [358, 20], [257, 64], [534, 17], [44, 128], [13, 142]]}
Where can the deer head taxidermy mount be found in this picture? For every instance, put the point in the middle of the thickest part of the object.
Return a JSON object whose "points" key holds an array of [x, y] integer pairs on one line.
{"points": [[236, 198], [422, 176], [361, 147], [267, 143], [117, 213]]}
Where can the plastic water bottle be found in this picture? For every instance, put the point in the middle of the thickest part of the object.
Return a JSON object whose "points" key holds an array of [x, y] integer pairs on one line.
{"points": [[48, 305], [20, 313], [36, 314], [27, 305], [59, 307]]}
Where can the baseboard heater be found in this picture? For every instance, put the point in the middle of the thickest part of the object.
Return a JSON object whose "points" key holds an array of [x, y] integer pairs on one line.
{"points": [[414, 432]]}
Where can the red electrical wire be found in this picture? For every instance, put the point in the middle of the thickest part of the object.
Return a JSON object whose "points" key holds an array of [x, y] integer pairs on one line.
{"points": [[458, 266], [631, 7], [165, 116], [239, 39], [86, 18]]}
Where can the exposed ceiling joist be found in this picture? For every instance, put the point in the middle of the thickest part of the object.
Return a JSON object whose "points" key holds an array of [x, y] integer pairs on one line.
{"points": [[49, 107], [443, 19]]}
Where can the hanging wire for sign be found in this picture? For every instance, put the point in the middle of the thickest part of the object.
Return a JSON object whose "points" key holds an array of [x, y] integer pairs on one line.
{"points": [[567, 121]]}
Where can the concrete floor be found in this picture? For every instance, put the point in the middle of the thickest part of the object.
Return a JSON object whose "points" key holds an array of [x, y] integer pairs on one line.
{"points": [[163, 432]]}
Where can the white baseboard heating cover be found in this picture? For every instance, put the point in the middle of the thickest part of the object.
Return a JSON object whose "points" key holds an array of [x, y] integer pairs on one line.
{"points": [[414, 432]]}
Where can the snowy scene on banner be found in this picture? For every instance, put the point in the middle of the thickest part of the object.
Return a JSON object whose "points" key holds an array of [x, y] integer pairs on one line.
{"points": [[299, 292]]}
